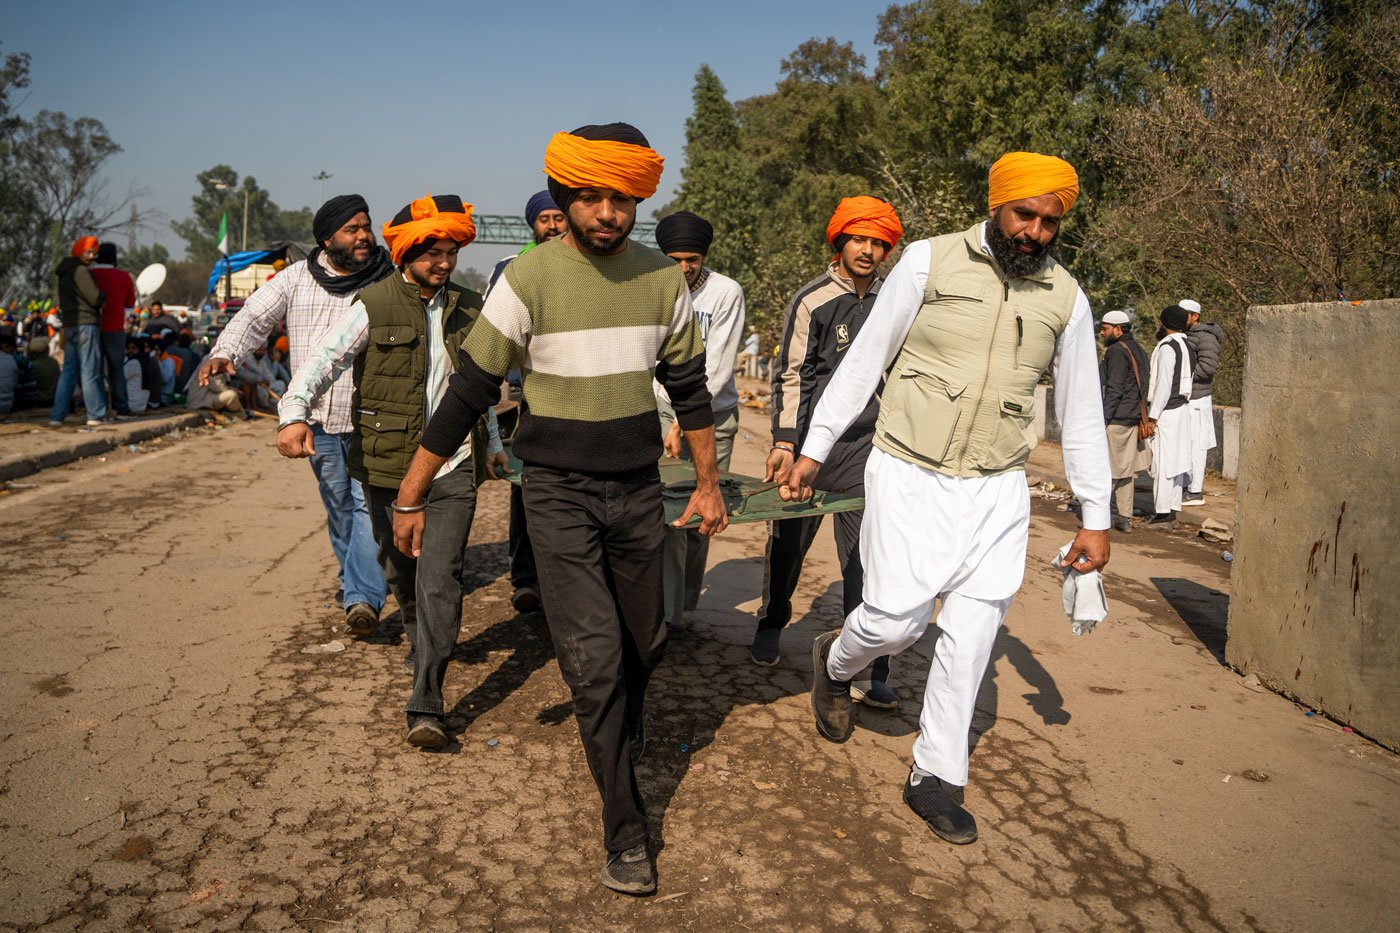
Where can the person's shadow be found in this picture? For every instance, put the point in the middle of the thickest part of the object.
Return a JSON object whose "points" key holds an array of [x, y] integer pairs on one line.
{"points": [[1047, 702], [1204, 611]]}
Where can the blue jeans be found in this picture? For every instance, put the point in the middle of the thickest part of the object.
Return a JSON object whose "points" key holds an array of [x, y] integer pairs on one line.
{"points": [[347, 517], [82, 359], [114, 353]]}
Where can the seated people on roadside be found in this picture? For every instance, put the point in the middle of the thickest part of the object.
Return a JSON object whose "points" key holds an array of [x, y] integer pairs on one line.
{"points": [[9, 372], [46, 371], [136, 393], [169, 368], [150, 370], [178, 346], [218, 395]]}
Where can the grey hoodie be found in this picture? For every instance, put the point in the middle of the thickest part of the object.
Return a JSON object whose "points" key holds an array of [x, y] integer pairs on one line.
{"points": [[1205, 340]]}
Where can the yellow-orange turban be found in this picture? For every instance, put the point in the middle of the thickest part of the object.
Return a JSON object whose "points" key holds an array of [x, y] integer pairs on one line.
{"points": [[446, 217], [576, 162], [83, 244], [865, 216], [1018, 175]]}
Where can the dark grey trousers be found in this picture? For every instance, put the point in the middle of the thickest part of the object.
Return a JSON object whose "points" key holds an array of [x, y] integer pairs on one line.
{"points": [[429, 589], [598, 543]]}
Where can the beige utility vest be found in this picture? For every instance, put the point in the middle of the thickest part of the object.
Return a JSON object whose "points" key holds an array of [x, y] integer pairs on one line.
{"points": [[960, 398]]}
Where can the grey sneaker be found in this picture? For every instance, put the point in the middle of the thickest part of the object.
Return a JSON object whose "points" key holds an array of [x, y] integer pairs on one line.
{"points": [[936, 803], [426, 732], [630, 872], [831, 699], [876, 694], [1164, 522], [360, 619], [764, 649]]}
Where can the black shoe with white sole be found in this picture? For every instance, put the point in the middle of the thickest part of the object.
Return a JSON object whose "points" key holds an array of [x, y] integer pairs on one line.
{"points": [[426, 732], [764, 649], [361, 618]]}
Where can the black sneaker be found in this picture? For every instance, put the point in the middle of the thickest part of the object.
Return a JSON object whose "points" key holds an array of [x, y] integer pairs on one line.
{"points": [[936, 803], [630, 872], [525, 599], [426, 732], [637, 740], [1122, 524], [410, 661], [764, 649], [1164, 521], [831, 699], [360, 619]]}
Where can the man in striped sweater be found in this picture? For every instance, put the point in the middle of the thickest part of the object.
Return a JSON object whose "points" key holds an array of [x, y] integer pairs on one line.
{"points": [[589, 318]]}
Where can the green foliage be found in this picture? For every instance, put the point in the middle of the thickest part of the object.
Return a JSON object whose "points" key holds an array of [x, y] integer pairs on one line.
{"points": [[221, 192], [1232, 152]]}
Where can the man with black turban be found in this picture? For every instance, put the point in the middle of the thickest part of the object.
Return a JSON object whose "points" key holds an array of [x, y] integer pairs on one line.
{"points": [[309, 297], [719, 310], [591, 318]]}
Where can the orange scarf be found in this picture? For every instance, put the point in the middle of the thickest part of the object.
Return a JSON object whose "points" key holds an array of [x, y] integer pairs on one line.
{"points": [[428, 223], [576, 162]]}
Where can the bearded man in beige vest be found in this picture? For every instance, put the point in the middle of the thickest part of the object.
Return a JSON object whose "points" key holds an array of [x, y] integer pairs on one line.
{"points": [[969, 322]]}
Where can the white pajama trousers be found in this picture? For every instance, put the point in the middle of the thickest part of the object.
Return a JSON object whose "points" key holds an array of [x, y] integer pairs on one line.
{"points": [[1202, 439], [926, 537]]}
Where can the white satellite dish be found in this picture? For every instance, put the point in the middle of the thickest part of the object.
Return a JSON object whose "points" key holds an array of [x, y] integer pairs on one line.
{"points": [[151, 278]]}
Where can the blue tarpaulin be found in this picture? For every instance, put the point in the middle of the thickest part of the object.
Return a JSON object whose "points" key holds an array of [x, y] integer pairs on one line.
{"points": [[235, 262]]}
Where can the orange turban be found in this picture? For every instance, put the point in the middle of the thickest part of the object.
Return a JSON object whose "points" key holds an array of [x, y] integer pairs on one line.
{"points": [[282, 344], [1018, 175], [865, 216], [446, 217], [83, 244], [576, 162]]}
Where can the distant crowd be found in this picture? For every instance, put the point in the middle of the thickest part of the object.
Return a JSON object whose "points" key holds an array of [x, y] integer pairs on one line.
{"points": [[98, 351]]}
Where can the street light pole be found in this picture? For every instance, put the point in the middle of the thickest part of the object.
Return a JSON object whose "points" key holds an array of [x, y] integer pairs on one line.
{"points": [[245, 217], [321, 195]]}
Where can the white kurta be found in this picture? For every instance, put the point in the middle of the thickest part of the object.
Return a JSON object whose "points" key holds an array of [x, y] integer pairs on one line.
{"points": [[1172, 444]]}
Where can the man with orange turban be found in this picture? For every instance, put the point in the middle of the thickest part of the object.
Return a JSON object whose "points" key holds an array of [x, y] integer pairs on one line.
{"points": [[401, 336], [80, 301], [822, 322], [961, 334], [590, 318]]}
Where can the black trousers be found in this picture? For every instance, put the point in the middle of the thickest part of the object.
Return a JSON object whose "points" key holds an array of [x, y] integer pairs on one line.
{"points": [[790, 539], [522, 555], [429, 589], [599, 539]]}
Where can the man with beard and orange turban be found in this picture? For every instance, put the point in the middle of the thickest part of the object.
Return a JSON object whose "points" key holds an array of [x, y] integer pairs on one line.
{"points": [[80, 301], [822, 322], [591, 317], [401, 338], [964, 328]]}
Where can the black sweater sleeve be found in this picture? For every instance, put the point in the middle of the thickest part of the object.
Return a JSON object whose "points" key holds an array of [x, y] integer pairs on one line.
{"points": [[470, 391], [690, 396]]}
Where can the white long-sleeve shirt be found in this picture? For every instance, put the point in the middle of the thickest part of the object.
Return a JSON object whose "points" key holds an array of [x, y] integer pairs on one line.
{"points": [[347, 339], [1075, 370], [719, 310]]}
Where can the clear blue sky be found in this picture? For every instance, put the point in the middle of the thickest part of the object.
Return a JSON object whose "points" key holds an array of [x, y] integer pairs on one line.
{"points": [[393, 99]]}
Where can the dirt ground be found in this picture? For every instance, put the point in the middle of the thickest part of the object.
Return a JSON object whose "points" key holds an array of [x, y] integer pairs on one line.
{"points": [[172, 759]]}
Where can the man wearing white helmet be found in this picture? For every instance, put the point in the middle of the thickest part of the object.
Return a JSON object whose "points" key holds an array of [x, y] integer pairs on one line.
{"points": [[1204, 340]]}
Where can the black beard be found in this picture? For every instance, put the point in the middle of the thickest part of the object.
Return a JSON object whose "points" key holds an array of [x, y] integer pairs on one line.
{"points": [[581, 239], [1014, 263], [422, 281], [345, 260]]}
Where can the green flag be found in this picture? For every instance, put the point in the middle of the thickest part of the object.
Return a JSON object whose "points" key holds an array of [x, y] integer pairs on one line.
{"points": [[223, 234]]}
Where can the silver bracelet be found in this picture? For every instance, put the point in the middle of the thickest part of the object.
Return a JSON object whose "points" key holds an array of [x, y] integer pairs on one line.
{"points": [[407, 509]]}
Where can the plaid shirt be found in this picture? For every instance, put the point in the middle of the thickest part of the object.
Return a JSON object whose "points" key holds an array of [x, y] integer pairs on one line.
{"points": [[293, 296]]}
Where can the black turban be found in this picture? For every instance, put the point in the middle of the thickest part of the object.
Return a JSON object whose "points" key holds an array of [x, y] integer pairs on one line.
{"points": [[684, 232], [107, 254], [1174, 317], [615, 132], [334, 214]]}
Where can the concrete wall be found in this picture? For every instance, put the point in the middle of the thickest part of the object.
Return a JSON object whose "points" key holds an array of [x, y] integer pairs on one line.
{"points": [[1315, 603], [1224, 458]]}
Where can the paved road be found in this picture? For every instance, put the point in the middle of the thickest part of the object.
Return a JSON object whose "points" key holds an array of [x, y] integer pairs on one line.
{"points": [[171, 759]]}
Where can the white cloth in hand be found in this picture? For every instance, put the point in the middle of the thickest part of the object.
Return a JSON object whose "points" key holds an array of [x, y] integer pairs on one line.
{"points": [[1082, 596]]}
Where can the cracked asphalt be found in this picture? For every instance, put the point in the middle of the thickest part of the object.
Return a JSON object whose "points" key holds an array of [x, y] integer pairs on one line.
{"points": [[171, 759]]}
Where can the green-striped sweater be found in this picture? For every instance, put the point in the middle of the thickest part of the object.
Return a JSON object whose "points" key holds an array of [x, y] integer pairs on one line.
{"points": [[588, 333]]}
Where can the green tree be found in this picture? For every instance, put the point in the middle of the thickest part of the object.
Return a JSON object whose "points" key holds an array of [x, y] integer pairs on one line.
{"points": [[19, 208], [222, 192]]}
